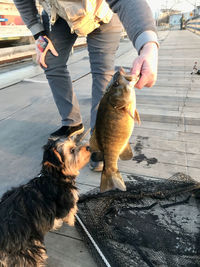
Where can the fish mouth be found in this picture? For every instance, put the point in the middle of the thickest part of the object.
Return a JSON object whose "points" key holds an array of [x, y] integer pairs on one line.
{"points": [[128, 77]]}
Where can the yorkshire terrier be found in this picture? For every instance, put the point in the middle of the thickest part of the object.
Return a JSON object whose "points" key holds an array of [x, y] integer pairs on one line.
{"points": [[29, 211]]}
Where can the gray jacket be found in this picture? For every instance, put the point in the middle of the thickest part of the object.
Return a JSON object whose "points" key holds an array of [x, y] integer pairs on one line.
{"points": [[135, 15]]}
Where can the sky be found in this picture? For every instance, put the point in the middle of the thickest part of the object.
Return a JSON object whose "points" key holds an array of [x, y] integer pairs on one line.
{"points": [[184, 6]]}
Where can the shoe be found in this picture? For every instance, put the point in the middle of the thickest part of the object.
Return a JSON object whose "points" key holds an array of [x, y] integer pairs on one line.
{"points": [[96, 162], [67, 131]]}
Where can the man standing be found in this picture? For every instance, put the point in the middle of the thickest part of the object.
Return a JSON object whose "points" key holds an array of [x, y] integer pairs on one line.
{"points": [[62, 21], [182, 22]]}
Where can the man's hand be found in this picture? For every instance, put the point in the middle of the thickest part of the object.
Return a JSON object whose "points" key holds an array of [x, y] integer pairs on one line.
{"points": [[145, 65], [43, 45]]}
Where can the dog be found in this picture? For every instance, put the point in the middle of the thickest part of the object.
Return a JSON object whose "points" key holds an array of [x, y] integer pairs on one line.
{"points": [[29, 211]]}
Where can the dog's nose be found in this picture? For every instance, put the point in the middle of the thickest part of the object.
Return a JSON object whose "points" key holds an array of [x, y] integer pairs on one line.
{"points": [[87, 148]]}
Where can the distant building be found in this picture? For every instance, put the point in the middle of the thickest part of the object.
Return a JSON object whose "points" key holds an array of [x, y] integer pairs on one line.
{"points": [[165, 15], [11, 25], [174, 20], [9, 14]]}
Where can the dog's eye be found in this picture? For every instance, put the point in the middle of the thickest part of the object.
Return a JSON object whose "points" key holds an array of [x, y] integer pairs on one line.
{"points": [[116, 84], [72, 150]]}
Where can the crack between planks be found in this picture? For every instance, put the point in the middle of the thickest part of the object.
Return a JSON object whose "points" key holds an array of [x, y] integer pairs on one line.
{"points": [[168, 130], [165, 150], [64, 235], [184, 124], [173, 164], [86, 184], [10, 116]]}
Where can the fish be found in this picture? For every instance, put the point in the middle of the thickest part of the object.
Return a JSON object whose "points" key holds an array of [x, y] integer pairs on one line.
{"points": [[114, 125]]}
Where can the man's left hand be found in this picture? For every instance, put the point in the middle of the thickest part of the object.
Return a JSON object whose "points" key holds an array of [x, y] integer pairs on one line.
{"points": [[43, 45]]}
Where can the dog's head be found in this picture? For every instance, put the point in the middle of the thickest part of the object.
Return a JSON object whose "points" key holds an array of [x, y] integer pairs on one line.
{"points": [[64, 156]]}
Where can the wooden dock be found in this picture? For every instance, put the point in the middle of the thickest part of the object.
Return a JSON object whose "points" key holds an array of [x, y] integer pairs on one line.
{"points": [[167, 142]]}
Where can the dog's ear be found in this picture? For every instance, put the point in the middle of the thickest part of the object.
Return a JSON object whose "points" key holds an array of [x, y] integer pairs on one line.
{"points": [[51, 157]]}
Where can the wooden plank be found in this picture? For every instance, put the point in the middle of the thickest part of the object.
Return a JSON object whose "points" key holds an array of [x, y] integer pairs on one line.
{"points": [[66, 251], [68, 231], [160, 170], [165, 145], [167, 135]]}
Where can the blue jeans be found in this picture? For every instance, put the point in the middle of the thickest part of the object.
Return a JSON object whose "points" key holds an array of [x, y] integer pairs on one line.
{"points": [[102, 45]]}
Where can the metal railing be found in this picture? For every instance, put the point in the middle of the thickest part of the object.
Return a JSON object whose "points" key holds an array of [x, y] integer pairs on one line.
{"points": [[194, 25]]}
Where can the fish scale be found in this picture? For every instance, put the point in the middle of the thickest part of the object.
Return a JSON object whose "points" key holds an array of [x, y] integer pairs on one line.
{"points": [[113, 128]]}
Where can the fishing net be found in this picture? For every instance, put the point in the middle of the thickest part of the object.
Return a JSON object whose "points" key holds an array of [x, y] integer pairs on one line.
{"points": [[156, 222]]}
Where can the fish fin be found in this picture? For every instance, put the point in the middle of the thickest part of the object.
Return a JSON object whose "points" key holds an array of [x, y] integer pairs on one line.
{"points": [[93, 142], [137, 117], [127, 153], [111, 181]]}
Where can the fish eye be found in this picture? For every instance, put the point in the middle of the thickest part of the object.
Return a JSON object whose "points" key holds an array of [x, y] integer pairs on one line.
{"points": [[116, 84]]}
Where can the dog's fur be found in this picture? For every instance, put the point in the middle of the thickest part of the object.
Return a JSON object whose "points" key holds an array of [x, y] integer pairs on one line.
{"points": [[29, 211]]}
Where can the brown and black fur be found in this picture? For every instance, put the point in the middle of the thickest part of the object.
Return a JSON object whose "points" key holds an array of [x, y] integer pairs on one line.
{"points": [[29, 211]]}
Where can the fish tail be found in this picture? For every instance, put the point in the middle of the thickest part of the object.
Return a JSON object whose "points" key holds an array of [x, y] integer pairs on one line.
{"points": [[111, 181]]}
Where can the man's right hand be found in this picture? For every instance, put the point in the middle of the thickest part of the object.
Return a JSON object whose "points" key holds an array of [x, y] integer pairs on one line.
{"points": [[43, 45], [145, 65]]}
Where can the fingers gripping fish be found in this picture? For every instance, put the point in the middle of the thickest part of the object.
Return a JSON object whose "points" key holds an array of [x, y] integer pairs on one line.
{"points": [[113, 128]]}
